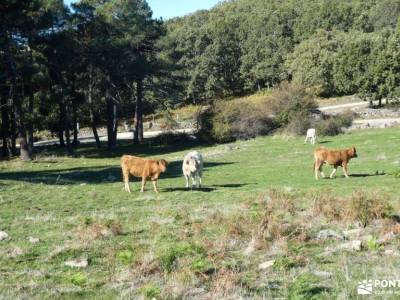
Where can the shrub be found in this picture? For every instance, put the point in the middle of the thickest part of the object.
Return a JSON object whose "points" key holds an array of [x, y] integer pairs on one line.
{"points": [[168, 138], [78, 279], [227, 121], [125, 256], [367, 207], [290, 101], [150, 291], [168, 256], [333, 125], [299, 123], [361, 207], [306, 286]]}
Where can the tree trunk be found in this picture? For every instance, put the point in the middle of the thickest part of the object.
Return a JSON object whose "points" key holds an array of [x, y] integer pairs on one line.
{"points": [[75, 125], [93, 118], [25, 154], [111, 117], [61, 124], [5, 125], [13, 131], [30, 123], [64, 122], [138, 134]]}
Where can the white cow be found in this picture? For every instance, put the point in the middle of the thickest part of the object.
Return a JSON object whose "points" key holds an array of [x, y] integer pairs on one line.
{"points": [[193, 167], [311, 135]]}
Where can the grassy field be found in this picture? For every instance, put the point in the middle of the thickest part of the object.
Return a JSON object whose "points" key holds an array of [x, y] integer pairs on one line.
{"points": [[183, 244]]}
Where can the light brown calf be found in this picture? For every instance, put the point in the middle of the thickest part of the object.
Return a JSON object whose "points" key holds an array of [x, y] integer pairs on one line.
{"points": [[141, 167], [334, 158]]}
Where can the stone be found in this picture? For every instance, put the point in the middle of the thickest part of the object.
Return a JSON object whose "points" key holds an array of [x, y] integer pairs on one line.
{"points": [[328, 233], [266, 265], [352, 246], [33, 240], [3, 235], [353, 232], [324, 274], [77, 263]]}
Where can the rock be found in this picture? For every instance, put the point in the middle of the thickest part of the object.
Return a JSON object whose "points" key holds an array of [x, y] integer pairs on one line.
{"points": [[386, 238], [16, 252], [391, 252], [328, 233], [266, 265], [250, 248], [323, 274], [77, 263], [352, 233], [349, 246], [83, 183], [33, 240], [3, 235], [352, 246]]}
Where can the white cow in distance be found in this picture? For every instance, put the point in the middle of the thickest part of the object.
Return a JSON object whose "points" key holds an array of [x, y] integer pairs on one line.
{"points": [[192, 167], [311, 135]]}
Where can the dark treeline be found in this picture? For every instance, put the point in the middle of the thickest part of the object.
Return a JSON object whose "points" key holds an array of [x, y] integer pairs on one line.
{"points": [[103, 61]]}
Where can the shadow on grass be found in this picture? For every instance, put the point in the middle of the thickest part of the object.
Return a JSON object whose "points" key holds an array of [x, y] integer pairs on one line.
{"points": [[147, 148], [185, 189], [367, 175], [91, 175], [324, 142]]}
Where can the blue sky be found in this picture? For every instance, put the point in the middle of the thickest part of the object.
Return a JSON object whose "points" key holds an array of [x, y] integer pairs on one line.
{"points": [[173, 8]]}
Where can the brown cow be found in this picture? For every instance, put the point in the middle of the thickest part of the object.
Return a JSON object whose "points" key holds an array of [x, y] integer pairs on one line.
{"points": [[141, 167], [334, 158]]}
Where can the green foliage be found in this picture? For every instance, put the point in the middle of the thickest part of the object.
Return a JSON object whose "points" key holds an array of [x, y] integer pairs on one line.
{"points": [[365, 207], [333, 125], [284, 263], [373, 245], [291, 101], [168, 256], [306, 286], [150, 291], [396, 174], [227, 121], [78, 279], [125, 256]]}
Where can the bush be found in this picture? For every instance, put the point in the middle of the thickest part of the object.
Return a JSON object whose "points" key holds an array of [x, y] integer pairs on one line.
{"points": [[299, 123], [333, 125], [150, 291], [227, 121], [365, 208], [168, 138], [290, 101]]}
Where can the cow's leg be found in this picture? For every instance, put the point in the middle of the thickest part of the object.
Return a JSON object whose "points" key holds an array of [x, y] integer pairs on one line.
{"points": [[333, 172], [126, 181], [193, 180], [305, 141], [316, 168], [313, 140], [199, 178], [187, 180], [155, 186], [143, 184], [345, 170], [319, 165]]}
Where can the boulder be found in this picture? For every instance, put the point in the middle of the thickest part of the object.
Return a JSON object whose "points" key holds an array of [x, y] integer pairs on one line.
{"points": [[266, 265]]}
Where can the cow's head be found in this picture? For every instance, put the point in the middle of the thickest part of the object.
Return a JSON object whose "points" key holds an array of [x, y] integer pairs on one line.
{"points": [[353, 152], [192, 163], [162, 165]]}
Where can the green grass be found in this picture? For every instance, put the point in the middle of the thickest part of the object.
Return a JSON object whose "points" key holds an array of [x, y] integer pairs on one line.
{"points": [[179, 238]]}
